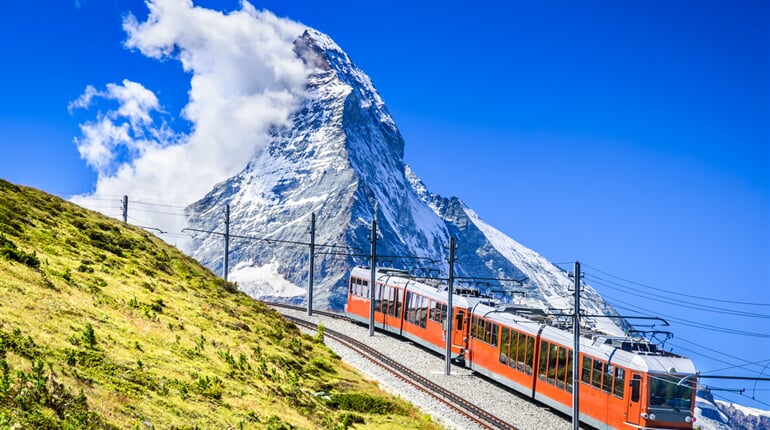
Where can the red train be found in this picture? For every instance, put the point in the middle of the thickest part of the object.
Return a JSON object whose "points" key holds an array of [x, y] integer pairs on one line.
{"points": [[625, 382]]}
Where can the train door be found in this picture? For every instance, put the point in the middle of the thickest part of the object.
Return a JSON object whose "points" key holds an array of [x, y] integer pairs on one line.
{"points": [[634, 410], [458, 337]]}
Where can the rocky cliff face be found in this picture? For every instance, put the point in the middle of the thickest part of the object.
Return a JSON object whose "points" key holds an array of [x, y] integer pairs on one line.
{"points": [[342, 159], [742, 418]]}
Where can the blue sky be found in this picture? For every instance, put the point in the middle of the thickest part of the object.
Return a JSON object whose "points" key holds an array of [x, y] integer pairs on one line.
{"points": [[632, 136]]}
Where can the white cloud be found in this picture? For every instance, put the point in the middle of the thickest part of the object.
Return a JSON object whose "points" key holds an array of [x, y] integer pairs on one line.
{"points": [[102, 140], [244, 78]]}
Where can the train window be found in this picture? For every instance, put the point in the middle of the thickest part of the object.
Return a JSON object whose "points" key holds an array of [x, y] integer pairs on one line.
{"points": [[513, 347], [608, 372], [384, 303], [398, 303], [352, 283], [522, 354], [596, 375], [569, 370], [480, 329], [477, 328], [586, 375], [561, 374], [460, 318], [620, 380], [408, 306], [553, 363], [543, 359], [393, 295], [505, 338], [423, 311], [530, 355], [494, 330], [437, 312], [378, 297]]}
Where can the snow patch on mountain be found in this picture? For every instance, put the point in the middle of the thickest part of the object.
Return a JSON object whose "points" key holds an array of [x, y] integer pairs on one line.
{"points": [[263, 281]]}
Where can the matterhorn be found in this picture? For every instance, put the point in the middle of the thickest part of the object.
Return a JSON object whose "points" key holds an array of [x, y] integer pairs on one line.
{"points": [[342, 161]]}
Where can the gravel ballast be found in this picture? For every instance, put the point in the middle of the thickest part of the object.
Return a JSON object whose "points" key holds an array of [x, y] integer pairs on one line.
{"points": [[488, 395]]}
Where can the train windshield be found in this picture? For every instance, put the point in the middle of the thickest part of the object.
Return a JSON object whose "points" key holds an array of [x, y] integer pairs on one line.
{"points": [[666, 391]]}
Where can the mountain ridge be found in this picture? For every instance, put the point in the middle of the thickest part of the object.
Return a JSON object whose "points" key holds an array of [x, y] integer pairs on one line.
{"points": [[342, 159]]}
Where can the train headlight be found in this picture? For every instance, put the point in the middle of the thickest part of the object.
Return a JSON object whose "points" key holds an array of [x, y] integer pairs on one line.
{"points": [[645, 415], [688, 419], [652, 417]]}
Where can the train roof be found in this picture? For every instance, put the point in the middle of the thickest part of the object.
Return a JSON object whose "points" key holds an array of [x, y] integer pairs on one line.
{"points": [[403, 279], [633, 353]]}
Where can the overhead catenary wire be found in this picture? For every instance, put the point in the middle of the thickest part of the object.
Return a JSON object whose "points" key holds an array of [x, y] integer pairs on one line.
{"points": [[743, 364], [167, 205], [742, 395], [699, 297], [159, 212], [688, 323], [731, 365], [722, 353], [705, 308], [738, 366]]}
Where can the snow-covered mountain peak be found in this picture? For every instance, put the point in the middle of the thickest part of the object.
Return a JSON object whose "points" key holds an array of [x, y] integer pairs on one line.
{"points": [[342, 159], [319, 50]]}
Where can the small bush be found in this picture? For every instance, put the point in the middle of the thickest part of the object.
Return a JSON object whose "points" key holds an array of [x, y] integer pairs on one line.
{"points": [[348, 420], [9, 251], [18, 343], [89, 337], [208, 387], [322, 364], [365, 403], [85, 269]]}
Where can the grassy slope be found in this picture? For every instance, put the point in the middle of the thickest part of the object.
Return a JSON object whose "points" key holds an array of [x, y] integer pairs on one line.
{"points": [[103, 325]]}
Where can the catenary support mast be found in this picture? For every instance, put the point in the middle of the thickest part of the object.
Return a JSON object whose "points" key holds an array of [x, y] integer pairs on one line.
{"points": [[227, 242], [450, 309], [373, 279], [311, 266], [576, 353]]}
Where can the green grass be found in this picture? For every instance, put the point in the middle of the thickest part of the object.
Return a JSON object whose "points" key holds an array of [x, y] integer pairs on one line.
{"points": [[103, 325]]}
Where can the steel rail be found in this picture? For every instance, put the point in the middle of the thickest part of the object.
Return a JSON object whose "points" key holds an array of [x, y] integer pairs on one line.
{"points": [[464, 407]]}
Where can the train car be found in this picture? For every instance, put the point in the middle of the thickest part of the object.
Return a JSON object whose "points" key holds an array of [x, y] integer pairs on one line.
{"points": [[409, 308], [625, 382]]}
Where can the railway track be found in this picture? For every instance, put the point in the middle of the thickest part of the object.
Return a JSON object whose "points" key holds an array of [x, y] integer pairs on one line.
{"points": [[479, 416]]}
